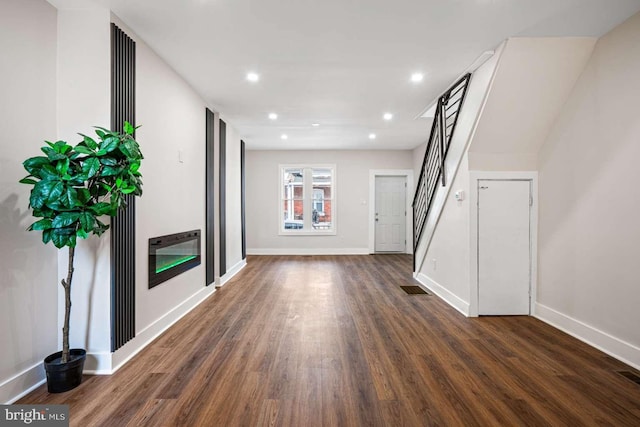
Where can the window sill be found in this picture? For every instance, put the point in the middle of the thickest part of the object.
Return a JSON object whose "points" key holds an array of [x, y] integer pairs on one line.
{"points": [[307, 232]]}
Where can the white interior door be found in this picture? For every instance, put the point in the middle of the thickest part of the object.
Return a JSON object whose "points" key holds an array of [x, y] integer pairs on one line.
{"points": [[504, 247], [390, 214]]}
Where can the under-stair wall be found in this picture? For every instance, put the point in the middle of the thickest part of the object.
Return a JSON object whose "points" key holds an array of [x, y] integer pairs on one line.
{"points": [[467, 117], [525, 85], [565, 108]]}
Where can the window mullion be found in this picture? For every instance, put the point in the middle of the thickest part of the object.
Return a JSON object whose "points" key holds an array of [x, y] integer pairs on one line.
{"points": [[307, 194]]}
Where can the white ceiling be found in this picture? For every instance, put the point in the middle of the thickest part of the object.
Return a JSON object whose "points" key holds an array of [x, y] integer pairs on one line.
{"points": [[342, 63]]}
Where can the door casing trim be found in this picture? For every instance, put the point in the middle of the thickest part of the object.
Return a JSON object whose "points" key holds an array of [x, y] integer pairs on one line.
{"points": [[474, 178], [373, 173]]}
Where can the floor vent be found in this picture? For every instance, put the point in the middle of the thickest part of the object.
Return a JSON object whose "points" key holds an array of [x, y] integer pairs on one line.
{"points": [[630, 376], [414, 290]]}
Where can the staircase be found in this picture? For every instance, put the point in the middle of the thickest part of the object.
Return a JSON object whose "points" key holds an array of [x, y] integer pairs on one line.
{"points": [[432, 172]]}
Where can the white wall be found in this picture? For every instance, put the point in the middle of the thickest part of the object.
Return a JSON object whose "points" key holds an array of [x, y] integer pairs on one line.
{"points": [[446, 268], [172, 119], [589, 229], [83, 84], [468, 119], [533, 80], [515, 97], [352, 193], [233, 199], [29, 283], [57, 83]]}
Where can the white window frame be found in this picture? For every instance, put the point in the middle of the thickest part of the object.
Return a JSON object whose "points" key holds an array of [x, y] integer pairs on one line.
{"points": [[308, 200]]}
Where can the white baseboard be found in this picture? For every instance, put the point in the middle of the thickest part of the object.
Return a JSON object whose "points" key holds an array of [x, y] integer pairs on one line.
{"points": [[308, 251], [232, 272], [449, 297], [153, 331], [104, 363], [22, 384], [614, 347], [98, 364]]}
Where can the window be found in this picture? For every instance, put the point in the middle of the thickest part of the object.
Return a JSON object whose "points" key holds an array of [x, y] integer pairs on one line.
{"points": [[293, 195], [307, 195], [318, 200]]}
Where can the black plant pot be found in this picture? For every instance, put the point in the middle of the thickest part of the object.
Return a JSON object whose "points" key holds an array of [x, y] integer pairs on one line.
{"points": [[64, 376]]}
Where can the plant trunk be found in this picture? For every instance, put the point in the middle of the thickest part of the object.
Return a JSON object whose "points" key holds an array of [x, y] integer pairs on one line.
{"points": [[66, 284]]}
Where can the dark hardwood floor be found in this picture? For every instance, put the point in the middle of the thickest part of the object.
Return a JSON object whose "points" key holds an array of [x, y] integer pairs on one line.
{"points": [[334, 341]]}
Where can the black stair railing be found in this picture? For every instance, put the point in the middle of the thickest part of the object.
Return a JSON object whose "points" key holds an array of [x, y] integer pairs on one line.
{"points": [[432, 172]]}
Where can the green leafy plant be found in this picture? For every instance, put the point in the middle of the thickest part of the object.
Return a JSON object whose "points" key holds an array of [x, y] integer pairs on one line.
{"points": [[74, 186]]}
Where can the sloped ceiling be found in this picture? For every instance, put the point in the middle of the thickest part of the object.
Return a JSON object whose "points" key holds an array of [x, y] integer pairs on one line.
{"points": [[533, 81]]}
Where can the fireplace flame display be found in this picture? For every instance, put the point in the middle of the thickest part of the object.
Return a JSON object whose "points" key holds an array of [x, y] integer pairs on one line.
{"points": [[172, 255]]}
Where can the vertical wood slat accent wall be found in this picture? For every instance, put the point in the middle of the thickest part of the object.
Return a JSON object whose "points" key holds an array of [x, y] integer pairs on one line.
{"points": [[242, 199], [223, 198], [210, 199], [123, 226]]}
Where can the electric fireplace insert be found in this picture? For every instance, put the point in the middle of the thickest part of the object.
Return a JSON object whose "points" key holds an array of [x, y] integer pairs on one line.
{"points": [[172, 255]]}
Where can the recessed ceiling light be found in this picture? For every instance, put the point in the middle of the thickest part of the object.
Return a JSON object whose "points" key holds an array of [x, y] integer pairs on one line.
{"points": [[273, 116], [372, 136], [315, 125], [387, 116], [417, 77], [253, 77], [284, 136]]}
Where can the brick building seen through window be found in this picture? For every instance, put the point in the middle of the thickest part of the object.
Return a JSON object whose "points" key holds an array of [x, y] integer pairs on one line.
{"points": [[317, 199]]}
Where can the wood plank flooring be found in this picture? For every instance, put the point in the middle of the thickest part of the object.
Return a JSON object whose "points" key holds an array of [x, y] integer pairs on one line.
{"points": [[334, 341]]}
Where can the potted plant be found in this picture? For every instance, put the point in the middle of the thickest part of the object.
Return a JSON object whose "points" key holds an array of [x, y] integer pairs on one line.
{"points": [[73, 186]]}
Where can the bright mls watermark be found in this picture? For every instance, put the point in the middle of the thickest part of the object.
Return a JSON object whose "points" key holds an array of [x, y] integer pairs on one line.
{"points": [[34, 415]]}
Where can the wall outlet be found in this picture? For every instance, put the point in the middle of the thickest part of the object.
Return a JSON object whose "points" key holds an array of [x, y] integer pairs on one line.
{"points": [[434, 264]]}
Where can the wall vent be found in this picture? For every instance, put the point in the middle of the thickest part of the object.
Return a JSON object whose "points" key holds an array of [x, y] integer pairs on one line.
{"points": [[414, 290]]}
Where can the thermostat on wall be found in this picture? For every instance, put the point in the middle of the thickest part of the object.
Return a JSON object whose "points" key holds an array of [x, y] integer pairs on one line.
{"points": [[459, 195]]}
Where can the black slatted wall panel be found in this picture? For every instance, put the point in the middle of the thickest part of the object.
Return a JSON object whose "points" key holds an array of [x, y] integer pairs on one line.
{"points": [[223, 198], [123, 226], [242, 200], [210, 199]]}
